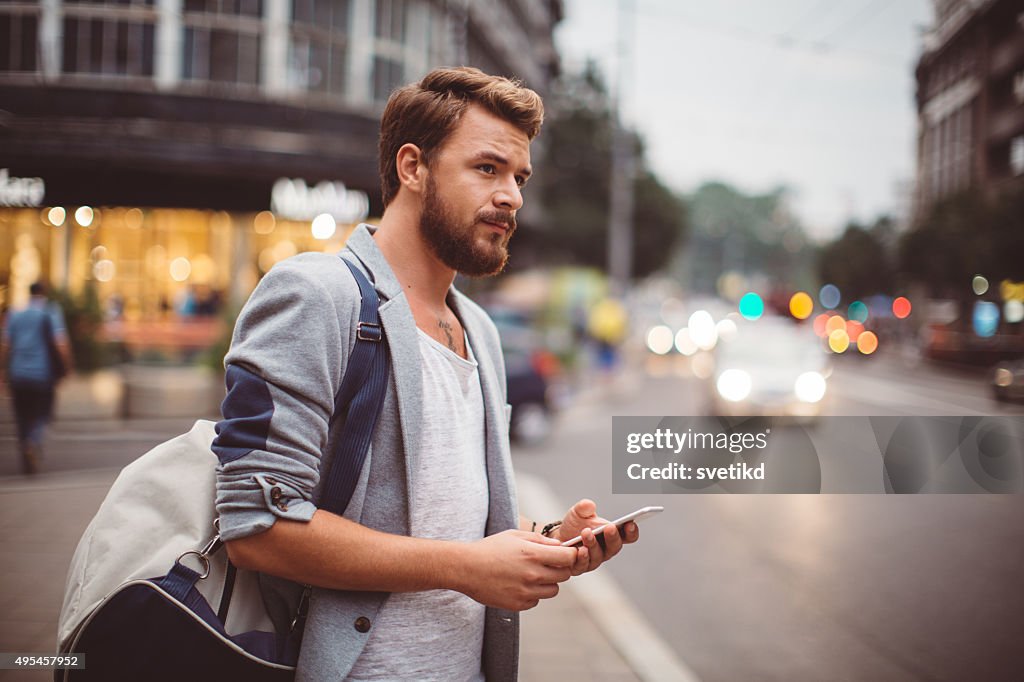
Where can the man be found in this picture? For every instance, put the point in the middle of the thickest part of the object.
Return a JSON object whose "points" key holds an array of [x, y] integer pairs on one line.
{"points": [[422, 577], [36, 353]]}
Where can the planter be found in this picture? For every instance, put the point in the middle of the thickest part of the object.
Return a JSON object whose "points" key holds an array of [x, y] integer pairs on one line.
{"points": [[172, 391], [99, 395]]}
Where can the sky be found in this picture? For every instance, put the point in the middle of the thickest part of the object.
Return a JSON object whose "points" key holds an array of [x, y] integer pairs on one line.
{"points": [[816, 95]]}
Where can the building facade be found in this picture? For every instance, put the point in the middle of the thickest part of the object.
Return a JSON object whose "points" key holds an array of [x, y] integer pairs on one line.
{"points": [[167, 152], [970, 99]]}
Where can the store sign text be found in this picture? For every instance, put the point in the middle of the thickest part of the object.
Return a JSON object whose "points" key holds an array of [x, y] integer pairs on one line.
{"points": [[295, 200], [20, 191]]}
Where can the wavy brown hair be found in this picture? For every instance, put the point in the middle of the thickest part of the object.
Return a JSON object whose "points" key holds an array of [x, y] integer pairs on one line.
{"points": [[426, 113]]}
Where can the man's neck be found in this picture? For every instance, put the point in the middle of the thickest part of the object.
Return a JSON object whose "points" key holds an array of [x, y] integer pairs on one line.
{"points": [[424, 279]]}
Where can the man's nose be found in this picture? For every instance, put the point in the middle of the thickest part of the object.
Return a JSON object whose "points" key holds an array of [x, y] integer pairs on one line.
{"points": [[508, 196]]}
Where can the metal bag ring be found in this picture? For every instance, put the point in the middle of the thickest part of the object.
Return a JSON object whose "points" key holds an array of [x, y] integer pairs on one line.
{"points": [[202, 560]]}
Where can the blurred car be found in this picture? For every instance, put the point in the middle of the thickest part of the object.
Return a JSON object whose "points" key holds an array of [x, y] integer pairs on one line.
{"points": [[770, 367], [537, 387], [1008, 381]]}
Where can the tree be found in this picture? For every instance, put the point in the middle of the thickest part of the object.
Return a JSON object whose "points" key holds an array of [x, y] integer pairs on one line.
{"points": [[857, 262], [573, 184], [749, 234], [964, 235]]}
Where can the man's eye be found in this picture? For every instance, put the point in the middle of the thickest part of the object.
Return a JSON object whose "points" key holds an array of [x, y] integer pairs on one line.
{"points": [[521, 181], [487, 168]]}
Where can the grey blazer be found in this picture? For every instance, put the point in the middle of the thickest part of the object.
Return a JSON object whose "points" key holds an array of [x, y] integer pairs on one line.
{"points": [[288, 354]]}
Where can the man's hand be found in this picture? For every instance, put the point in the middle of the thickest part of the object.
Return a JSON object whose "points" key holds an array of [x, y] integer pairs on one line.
{"points": [[515, 569], [579, 521]]}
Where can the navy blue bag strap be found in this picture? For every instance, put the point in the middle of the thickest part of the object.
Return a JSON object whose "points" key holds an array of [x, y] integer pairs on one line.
{"points": [[361, 396]]}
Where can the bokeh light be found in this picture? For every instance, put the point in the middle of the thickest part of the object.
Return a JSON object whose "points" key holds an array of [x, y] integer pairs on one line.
{"points": [[734, 385], [103, 270], [801, 306], [1013, 311], [867, 343], [901, 307], [986, 318], [751, 306], [835, 323], [323, 226], [56, 216], [684, 344], [819, 324], [181, 268], [829, 296], [854, 329], [84, 216], [133, 218], [264, 222], [809, 387], [839, 341], [659, 339], [703, 330], [726, 329], [857, 311], [979, 284]]}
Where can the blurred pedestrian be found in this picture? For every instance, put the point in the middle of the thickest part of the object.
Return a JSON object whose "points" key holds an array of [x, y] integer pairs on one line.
{"points": [[607, 326], [36, 354]]}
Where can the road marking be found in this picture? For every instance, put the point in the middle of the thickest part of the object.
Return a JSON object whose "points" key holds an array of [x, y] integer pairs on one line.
{"points": [[643, 649]]}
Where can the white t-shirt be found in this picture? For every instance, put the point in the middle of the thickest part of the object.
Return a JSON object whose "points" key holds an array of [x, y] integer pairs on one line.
{"points": [[438, 634]]}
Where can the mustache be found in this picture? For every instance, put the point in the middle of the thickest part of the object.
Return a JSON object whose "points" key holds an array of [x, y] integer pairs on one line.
{"points": [[499, 217]]}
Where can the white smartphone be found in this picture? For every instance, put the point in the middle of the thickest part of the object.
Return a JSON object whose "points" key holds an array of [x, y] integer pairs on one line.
{"points": [[632, 516]]}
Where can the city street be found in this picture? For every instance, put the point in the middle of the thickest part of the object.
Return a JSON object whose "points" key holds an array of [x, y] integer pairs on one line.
{"points": [[809, 587], [787, 587]]}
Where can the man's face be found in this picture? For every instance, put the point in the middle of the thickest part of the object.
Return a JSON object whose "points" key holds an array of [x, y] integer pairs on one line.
{"points": [[473, 191]]}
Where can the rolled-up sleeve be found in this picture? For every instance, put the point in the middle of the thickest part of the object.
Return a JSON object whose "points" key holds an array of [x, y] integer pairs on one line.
{"points": [[282, 372]]}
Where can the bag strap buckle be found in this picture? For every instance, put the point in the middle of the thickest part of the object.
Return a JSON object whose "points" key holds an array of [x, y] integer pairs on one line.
{"points": [[369, 331]]}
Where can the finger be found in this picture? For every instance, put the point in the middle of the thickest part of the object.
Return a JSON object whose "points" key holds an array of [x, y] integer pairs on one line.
{"points": [[595, 547], [582, 564], [631, 533], [547, 591], [548, 575], [557, 557], [584, 510], [612, 542]]}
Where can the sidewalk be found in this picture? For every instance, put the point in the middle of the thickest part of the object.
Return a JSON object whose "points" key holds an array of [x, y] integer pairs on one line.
{"points": [[44, 516]]}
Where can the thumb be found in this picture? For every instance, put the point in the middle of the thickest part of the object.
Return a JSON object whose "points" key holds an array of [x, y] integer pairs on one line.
{"points": [[584, 509]]}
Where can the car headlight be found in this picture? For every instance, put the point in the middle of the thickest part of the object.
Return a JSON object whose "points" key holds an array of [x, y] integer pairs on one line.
{"points": [[1004, 377], [734, 385], [809, 387]]}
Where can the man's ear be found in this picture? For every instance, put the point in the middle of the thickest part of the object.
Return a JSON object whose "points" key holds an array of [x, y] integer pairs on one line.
{"points": [[412, 168]]}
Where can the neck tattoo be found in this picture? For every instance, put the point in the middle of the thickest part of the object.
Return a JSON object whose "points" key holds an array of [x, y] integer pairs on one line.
{"points": [[447, 328]]}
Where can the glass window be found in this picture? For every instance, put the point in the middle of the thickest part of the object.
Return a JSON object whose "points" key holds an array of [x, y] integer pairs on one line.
{"points": [[108, 47], [19, 35], [387, 75], [390, 20], [318, 60], [222, 41]]}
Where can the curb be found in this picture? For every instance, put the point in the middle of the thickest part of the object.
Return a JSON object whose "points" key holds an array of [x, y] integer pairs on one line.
{"points": [[639, 644]]}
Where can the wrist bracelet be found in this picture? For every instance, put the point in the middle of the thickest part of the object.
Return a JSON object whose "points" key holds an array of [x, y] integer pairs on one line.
{"points": [[550, 527]]}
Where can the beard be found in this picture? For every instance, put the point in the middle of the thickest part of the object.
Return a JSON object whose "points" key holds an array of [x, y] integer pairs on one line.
{"points": [[459, 246]]}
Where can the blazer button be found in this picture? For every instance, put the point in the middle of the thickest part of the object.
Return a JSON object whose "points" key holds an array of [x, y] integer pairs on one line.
{"points": [[362, 624]]}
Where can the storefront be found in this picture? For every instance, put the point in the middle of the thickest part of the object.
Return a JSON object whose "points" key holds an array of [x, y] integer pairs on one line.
{"points": [[164, 276]]}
